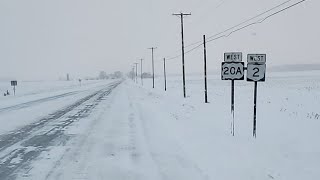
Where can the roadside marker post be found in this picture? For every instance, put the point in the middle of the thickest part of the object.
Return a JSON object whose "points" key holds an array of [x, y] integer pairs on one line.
{"points": [[256, 72], [232, 69]]}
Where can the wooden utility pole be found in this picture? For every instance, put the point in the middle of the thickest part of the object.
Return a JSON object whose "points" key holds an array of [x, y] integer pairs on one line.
{"points": [[164, 73], [205, 69], [152, 48], [136, 72], [182, 37], [132, 73], [141, 72]]}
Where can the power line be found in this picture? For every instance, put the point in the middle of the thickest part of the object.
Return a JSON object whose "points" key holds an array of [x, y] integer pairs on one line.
{"points": [[240, 23], [243, 27], [216, 7], [258, 22], [234, 26], [275, 7]]}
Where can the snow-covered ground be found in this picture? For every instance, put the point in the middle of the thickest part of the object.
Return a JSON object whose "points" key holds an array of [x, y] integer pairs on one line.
{"points": [[129, 131]]}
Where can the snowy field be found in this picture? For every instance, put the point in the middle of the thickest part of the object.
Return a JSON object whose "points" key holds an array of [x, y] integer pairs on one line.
{"points": [[103, 130], [288, 119]]}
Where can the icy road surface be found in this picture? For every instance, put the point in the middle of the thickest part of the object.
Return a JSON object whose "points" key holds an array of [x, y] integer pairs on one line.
{"points": [[21, 146]]}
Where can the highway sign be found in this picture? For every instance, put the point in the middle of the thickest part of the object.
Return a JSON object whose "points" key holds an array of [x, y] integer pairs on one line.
{"points": [[233, 57], [256, 72], [232, 71], [256, 58]]}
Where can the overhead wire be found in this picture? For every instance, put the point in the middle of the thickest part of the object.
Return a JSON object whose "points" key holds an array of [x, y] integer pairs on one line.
{"points": [[240, 28], [275, 7], [257, 22], [220, 3]]}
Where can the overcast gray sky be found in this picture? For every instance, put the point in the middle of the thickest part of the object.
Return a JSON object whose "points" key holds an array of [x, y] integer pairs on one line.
{"points": [[45, 39]]}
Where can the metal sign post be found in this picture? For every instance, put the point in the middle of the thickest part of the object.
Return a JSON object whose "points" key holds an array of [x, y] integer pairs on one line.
{"points": [[232, 69], [232, 107], [256, 71], [255, 109]]}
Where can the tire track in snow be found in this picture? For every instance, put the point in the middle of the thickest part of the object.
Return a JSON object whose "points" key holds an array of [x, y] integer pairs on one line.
{"points": [[9, 139], [34, 102], [112, 147], [118, 143], [19, 148]]}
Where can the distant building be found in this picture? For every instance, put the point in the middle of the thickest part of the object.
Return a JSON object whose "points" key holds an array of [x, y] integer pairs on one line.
{"points": [[146, 75]]}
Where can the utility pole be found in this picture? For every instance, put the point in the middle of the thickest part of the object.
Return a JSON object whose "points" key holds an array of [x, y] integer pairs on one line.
{"points": [[141, 72], [136, 71], [164, 73], [183, 71], [205, 69], [152, 48], [132, 73]]}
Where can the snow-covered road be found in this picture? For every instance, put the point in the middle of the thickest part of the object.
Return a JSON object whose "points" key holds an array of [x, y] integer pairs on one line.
{"points": [[121, 130], [21, 146], [106, 136]]}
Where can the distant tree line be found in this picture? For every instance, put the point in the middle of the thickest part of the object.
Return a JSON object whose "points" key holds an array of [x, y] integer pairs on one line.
{"points": [[116, 75]]}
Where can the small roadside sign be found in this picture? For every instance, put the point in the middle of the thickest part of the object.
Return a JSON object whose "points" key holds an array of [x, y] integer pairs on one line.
{"points": [[233, 57], [232, 71], [256, 72], [14, 83], [256, 58]]}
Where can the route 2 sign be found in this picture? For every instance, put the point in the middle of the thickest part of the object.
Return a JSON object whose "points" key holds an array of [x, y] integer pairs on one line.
{"points": [[256, 68], [232, 71], [256, 72]]}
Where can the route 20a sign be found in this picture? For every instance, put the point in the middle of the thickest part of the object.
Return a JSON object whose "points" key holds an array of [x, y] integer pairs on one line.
{"points": [[232, 71], [232, 68]]}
